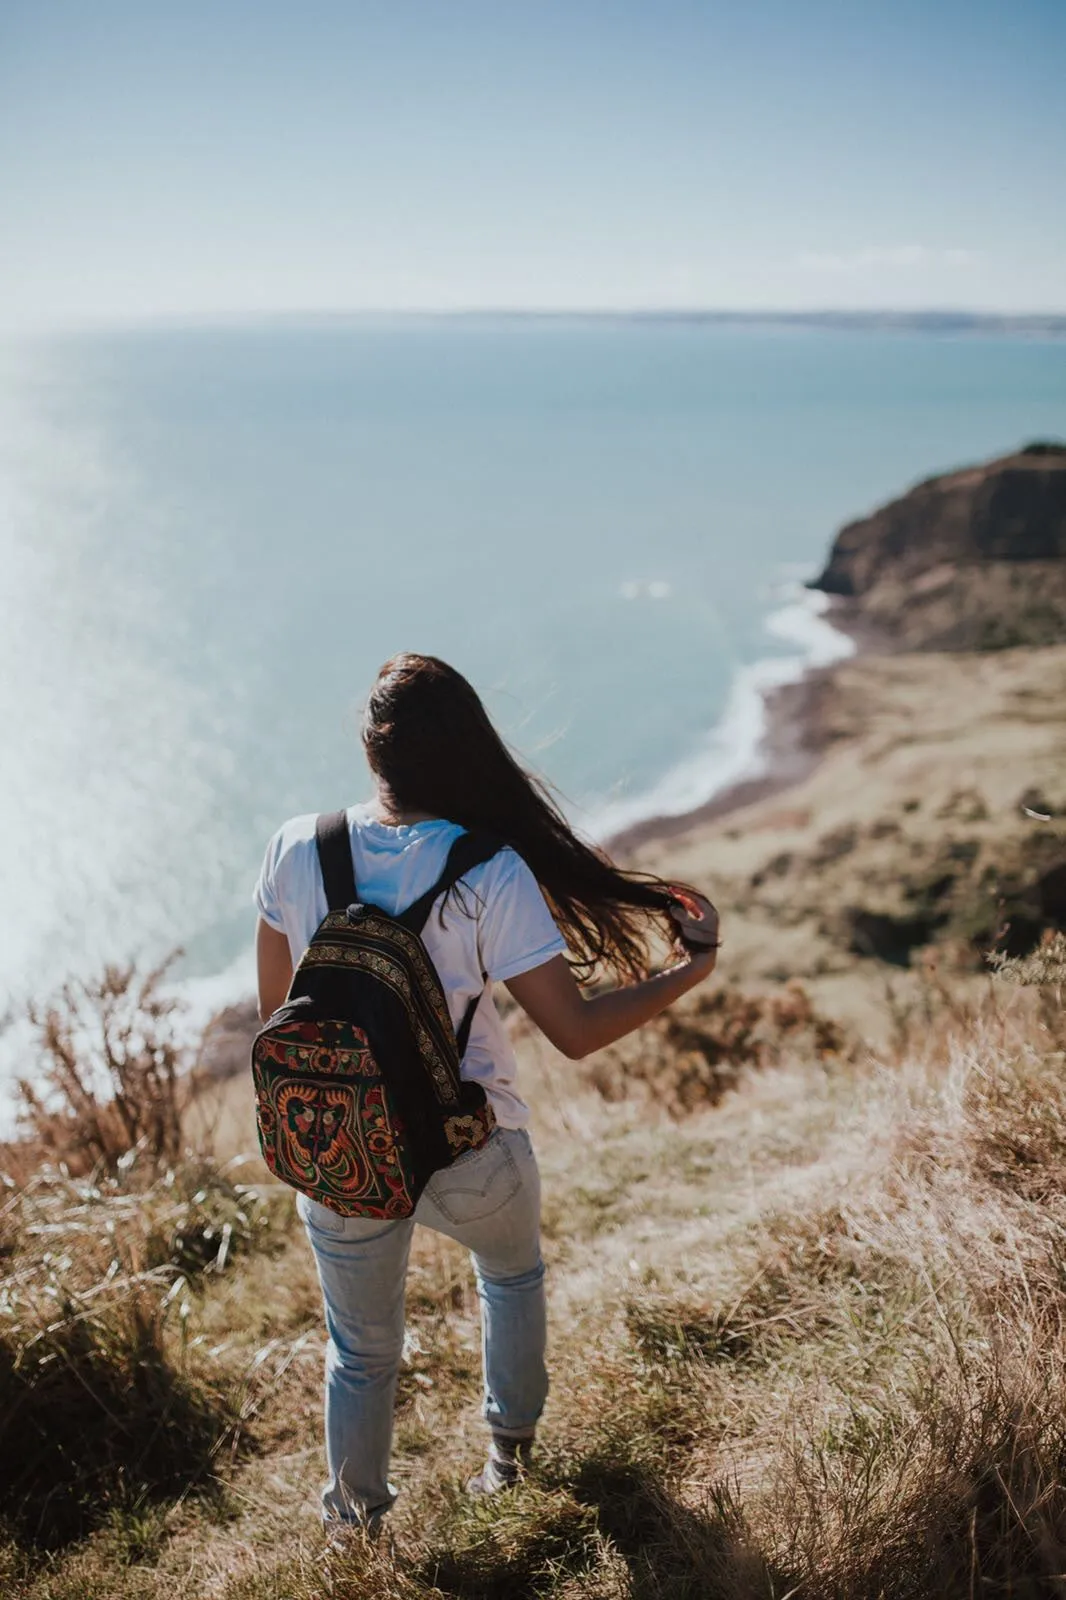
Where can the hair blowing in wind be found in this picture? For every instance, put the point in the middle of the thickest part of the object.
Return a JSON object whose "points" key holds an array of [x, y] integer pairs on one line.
{"points": [[432, 748]]}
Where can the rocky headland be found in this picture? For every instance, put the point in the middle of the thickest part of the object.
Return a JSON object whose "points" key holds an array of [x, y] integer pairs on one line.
{"points": [[969, 560], [917, 815]]}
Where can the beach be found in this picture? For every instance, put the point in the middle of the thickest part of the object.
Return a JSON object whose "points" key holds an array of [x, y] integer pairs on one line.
{"points": [[792, 741]]}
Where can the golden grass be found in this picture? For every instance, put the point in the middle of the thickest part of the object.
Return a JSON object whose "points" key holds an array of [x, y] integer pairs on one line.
{"points": [[111, 1400], [808, 1342], [111, 1074]]}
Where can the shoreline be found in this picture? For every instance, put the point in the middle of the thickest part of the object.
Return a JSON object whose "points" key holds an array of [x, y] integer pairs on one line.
{"points": [[793, 742], [789, 751]]}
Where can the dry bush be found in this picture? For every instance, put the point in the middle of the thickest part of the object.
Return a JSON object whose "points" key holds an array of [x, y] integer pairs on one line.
{"points": [[97, 1403], [961, 1494], [688, 1059], [112, 1073], [99, 1383], [1018, 1005], [196, 1217], [1043, 972], [1044, 967]]}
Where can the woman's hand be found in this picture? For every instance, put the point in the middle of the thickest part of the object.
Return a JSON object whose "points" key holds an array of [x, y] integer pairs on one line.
{"points": [[697, 927], [577, 1024]]}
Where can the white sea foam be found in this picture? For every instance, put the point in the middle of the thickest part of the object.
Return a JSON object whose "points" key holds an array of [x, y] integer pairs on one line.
{"points": [[654, 589], [734, 749]]}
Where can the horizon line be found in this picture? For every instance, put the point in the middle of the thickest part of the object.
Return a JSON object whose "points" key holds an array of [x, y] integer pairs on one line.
{"points": [[944, 318]]}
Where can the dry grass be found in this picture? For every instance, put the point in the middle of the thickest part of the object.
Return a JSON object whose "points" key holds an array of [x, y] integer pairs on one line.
{"points": [[112, 1072], [111, 1399], [809, 1342], [693, 1055]]}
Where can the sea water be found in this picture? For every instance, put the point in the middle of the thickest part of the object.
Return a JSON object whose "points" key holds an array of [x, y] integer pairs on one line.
{"points": [[210, 538]]}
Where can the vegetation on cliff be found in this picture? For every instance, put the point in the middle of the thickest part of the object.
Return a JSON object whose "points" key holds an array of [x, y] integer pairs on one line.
{"points": [[932, 828], [969, 560]]}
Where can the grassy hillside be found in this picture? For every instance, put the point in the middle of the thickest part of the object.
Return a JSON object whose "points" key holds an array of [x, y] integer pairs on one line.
{"points": [[805, 1247], [807, 1338]]}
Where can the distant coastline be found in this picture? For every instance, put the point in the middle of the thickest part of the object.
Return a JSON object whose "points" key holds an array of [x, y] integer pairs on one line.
{"points": [[944, 322], [1036, 324]]}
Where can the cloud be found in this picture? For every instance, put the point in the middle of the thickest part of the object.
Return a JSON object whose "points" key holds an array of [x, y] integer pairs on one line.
{"points": [[874, 256]]}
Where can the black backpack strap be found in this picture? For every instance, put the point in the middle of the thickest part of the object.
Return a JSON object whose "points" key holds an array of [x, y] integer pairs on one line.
{"points": [[335, 858], [462, 1033], [468, 852]]}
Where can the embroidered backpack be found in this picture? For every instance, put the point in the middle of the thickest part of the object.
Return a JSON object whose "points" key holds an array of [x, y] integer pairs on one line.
{"points": [[358, 1094]]}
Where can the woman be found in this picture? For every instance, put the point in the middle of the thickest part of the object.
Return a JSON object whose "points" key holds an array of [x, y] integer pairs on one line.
{"points": [[542, 916]]}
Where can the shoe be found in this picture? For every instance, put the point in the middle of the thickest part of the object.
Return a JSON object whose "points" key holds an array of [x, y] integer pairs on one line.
{"points": [[508, 1461], [359, 1526], [343, 1539]]}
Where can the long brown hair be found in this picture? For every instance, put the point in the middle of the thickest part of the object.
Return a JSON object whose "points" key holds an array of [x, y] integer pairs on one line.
{"points": [[432, 747]]}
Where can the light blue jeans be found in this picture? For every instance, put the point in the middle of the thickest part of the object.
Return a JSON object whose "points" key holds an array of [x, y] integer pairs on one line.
{"points": [[489, 1201]]}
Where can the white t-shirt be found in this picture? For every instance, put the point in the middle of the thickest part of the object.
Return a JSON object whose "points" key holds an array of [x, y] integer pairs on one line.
{"points": [[512, 931]]}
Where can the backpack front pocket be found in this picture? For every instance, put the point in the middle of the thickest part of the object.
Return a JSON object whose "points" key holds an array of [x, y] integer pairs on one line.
{"points": [[327, 1122]]}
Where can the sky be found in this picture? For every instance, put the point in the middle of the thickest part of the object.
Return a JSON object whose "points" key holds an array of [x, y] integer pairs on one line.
{"points": [[236, 157]]}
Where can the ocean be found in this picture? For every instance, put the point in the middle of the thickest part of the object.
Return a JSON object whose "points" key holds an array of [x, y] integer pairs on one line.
{"points": [[210, 538]]}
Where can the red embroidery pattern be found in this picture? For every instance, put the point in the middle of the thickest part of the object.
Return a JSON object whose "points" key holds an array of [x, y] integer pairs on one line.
{"points": [[337, 1141]]}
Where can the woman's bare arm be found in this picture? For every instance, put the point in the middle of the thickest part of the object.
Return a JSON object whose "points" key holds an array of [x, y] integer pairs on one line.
{"points": [[549, 994], [575, 1025], [273, 961]]}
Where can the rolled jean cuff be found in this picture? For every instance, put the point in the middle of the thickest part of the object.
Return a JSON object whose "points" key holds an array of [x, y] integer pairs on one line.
{"points": [[354, 1515]]}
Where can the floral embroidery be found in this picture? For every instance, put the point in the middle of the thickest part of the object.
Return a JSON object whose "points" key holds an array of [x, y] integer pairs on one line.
{"points": [[469, 1132], [329, 1117]]}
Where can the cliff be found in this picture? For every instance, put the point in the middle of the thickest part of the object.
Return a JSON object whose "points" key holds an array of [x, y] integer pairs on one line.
{"points": [[969, 560], [913, 804], [931, 826]]}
